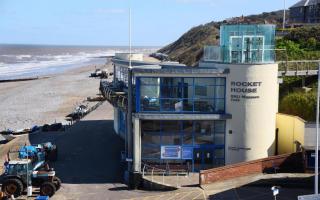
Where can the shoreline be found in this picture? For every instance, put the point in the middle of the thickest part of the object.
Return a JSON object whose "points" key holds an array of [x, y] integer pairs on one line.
{"points": [[47, 99]]}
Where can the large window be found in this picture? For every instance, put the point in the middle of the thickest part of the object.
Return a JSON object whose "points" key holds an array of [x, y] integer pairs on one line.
{"points": [[202, 95], [121, 74], [155, 134]]}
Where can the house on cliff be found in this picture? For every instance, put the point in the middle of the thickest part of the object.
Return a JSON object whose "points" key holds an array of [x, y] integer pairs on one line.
{"points": [[305, 11]]}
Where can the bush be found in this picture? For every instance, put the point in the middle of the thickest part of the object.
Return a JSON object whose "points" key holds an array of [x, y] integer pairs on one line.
{"points": [[300, 104]]}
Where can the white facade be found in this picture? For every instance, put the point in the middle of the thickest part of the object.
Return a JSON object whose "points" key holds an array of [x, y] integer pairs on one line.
{"points": [[252, 100]]}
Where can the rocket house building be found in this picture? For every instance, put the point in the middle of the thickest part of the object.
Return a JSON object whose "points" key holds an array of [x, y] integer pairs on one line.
{"points": [[218, 113]]}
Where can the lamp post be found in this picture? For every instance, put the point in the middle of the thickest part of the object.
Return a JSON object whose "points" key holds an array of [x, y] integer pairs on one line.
{"points": [[284, 15], [316, 174]]}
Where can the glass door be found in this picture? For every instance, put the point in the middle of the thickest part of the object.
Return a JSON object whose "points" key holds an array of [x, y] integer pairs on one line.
{"points": [[203, 158], [207, 159], [197, 159]]}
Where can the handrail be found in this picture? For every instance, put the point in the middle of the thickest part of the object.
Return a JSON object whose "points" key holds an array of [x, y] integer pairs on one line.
{"points": [[163, 173]]}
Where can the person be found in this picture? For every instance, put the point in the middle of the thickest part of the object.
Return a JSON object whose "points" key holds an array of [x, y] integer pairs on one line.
{"points": [[6, 164]]}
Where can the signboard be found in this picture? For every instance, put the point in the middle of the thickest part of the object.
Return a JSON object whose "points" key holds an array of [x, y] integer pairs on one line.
{"points": [[309, 197], [244, 90], [170, 152], [187, 153]]}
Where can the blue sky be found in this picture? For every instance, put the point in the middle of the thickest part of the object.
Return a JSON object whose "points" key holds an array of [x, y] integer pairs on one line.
{"points": [[105, 22]]}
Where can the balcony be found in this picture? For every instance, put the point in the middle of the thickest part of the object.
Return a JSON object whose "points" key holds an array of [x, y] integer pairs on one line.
{"points": [[114, 94]]}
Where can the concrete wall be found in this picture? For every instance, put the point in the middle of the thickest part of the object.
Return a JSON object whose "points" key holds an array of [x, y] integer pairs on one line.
{"points": [[126, 56], [287, 163], [252, 100], [310, 135], [290, 129]]}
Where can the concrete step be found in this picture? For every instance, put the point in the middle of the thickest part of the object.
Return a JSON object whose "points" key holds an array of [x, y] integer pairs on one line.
{"points": [[182, 194]]}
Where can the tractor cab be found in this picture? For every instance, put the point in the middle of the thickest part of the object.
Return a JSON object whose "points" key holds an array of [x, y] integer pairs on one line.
{"points": [[19, 174], [19, 168]]}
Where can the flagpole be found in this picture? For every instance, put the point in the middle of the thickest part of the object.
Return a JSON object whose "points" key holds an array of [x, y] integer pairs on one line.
{"points": [[284, 14], [316, 175], [130, 41]]}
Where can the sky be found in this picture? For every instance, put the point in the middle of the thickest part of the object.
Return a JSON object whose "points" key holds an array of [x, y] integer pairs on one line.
{"points": [[105, 22]]}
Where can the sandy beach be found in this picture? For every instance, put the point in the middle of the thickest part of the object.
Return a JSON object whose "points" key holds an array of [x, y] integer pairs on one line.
{"points": [[46, 100]]}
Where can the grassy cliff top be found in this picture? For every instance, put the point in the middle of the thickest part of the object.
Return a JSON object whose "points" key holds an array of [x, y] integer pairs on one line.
{"points": [[188, 49]]}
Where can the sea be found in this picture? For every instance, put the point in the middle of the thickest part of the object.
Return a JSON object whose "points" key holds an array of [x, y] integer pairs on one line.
{"points": [[29, 61]]}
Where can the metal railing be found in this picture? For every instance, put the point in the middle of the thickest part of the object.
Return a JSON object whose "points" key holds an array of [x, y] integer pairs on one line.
{"points": [[114, 94], [298, 65], [165, 176]]}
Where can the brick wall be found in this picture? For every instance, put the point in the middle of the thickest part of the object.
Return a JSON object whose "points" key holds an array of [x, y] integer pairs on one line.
{"points": [[283, 163]]}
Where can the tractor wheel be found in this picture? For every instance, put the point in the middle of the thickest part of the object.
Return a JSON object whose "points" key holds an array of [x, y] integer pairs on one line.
{"points": [[12, 187], [47, 189], [57, 182]]}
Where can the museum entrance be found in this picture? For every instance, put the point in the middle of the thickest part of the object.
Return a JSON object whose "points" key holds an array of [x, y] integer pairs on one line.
{"points": [[193, 145], [207, 157]]}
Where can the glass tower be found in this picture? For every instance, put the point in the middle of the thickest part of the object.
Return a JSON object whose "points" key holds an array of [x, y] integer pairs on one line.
{"points": [[243, 44]]}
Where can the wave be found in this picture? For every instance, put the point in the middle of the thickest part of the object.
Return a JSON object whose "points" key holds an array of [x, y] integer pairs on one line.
{"points": [[34, 63]]}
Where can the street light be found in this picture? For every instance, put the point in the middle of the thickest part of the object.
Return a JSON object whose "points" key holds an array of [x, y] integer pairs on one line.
{"points": [[284, 14], [275, 191], [316, 174]]}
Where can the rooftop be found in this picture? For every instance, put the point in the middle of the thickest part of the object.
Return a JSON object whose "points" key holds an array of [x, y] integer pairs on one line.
{"points": [[303, 3]]}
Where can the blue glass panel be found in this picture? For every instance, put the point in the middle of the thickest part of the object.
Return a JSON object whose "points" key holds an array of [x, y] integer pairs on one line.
{"points": [[181, 95], [244, 44]]}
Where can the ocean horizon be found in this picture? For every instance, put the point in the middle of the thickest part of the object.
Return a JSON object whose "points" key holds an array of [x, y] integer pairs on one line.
{"points": [[29, 60]]}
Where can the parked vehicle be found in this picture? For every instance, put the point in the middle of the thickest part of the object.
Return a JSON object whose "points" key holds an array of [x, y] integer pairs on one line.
{"points": [[52, 127], [20, 174], [96, 73]]}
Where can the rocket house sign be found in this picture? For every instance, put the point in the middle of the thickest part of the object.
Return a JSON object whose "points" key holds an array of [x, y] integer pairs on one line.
{"points": [[244, 90]]}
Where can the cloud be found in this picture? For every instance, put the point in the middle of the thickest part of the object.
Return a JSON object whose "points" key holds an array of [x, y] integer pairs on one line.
{"points": [[110, 11]]}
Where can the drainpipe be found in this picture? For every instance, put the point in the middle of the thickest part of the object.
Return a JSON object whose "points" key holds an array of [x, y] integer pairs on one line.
{"points": [[114, 74], [129, 119]]}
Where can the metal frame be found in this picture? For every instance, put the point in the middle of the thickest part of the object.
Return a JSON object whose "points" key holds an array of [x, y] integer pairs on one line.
{"points": [[243, 37], [193, 98], [180, 134]]}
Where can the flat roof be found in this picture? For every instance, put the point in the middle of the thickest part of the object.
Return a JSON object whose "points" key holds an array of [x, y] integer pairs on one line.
{"points": [[141, 68], [182, 71], [140, 63]]}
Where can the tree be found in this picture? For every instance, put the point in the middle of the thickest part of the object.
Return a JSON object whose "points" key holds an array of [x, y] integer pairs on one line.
{"points": [[300, 104]]}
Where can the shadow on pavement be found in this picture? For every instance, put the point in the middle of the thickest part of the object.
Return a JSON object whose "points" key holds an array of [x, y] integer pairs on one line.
{"points": [[88, 153], [290, 188]]}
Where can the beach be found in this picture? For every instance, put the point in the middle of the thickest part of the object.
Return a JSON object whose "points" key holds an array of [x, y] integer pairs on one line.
{"points": [[46, 100]]}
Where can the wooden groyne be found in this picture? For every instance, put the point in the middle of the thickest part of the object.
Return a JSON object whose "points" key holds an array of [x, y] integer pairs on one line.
{"points": [[18, 79]]}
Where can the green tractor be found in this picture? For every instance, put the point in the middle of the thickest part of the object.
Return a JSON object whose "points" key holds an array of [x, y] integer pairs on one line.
{"points": [[19, 174]]}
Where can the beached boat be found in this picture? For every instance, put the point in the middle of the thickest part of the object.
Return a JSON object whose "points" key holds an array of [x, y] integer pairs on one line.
{"points": [[21, 131]]}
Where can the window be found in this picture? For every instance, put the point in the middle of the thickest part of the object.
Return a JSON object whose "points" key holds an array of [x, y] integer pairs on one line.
{"points": [[201, 91], [150, 152], [182, 95], [204, 132], [208, 135], [171, 139]]}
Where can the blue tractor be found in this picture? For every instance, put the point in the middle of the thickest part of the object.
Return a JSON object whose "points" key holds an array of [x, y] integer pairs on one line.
{"points": [[22, 173], [40, 152]]}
